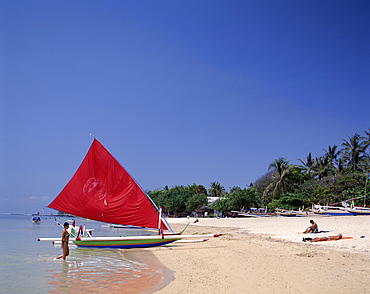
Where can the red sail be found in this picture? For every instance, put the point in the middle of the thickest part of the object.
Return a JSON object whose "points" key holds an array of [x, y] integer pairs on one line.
{"points": [[102, 190]]}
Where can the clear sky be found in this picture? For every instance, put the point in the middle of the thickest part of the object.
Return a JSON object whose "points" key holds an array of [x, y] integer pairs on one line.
{"points": [[180, 92]]}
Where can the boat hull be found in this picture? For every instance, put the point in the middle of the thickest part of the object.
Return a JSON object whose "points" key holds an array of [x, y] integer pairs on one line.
{"points": [[288, 214], [359, 212], [124, 244], [335, 213]]}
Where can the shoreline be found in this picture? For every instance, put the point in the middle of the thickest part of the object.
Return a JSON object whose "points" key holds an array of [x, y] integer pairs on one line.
{"points": [[266, 254]]}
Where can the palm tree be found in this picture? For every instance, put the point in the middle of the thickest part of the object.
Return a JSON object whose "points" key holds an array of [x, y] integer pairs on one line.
{"points": [[367, 154], [332, 156], [339, 170], [216, 189], [353, 151], [322, 166], [309, 164], [367, 139], [282, 169], [200, 189]]}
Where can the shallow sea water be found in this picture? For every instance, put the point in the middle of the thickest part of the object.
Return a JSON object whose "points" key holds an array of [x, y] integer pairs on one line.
{"points": [[29, 266]]}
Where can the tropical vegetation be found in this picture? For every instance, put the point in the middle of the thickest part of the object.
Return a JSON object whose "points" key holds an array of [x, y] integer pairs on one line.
{"points": [[340, 173]]}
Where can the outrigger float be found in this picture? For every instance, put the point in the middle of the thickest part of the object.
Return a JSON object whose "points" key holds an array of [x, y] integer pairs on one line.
{"points": [[102, 190]]}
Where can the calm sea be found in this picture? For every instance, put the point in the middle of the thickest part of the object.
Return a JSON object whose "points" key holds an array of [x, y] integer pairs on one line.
{"points": [[29, 266]]}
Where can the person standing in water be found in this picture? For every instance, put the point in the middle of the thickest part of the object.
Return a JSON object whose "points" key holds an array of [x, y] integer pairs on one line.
{"points": [[65, 239]]}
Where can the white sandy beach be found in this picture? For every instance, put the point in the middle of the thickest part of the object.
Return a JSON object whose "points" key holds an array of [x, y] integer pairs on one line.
{"points": [[267, 255]]}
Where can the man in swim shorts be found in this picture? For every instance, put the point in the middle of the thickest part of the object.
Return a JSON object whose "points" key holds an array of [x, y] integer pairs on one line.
{"points": [[65, 239], [311, 229]]}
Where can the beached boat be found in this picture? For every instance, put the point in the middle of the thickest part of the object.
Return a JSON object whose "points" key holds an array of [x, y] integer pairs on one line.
{"points": [[304, 213], [102, 190], [287, 213], [359, 210], [351, 209], [252, 212], [330, 210], [292, 213]]}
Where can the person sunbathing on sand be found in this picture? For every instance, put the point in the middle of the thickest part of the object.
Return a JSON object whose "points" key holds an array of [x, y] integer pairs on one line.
{"points": [[318, 239], [311, 229]]}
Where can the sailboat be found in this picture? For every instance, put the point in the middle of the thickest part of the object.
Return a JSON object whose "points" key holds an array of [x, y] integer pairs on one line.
{"points": [[102, 190]]}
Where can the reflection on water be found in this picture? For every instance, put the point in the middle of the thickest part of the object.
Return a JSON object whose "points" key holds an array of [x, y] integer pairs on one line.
{"points": [[28, 266], [108, 271]]}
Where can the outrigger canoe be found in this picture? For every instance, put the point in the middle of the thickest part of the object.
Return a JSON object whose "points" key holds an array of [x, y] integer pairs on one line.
{"points": [[102, 190]]}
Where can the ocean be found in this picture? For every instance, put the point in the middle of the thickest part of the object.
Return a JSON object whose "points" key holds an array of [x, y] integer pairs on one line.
{"points": [[29, 266]]}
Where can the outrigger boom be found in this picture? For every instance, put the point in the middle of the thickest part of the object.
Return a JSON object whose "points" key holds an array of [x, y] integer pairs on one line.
{"points": [[131, 242], [165, 237]]}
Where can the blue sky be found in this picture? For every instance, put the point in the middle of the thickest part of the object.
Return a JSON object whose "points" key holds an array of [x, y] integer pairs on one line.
{"points": [[180, 92]]}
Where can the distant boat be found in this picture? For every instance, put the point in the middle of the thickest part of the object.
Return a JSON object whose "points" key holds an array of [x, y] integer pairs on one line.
{"points": [[102, 190], [36, 219]]}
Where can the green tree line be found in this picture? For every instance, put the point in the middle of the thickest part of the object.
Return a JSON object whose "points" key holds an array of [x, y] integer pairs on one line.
{"points": [[339, 173]]}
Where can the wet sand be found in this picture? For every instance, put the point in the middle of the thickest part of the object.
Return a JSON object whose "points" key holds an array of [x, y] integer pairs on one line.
{"points": [[267, 255]]}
